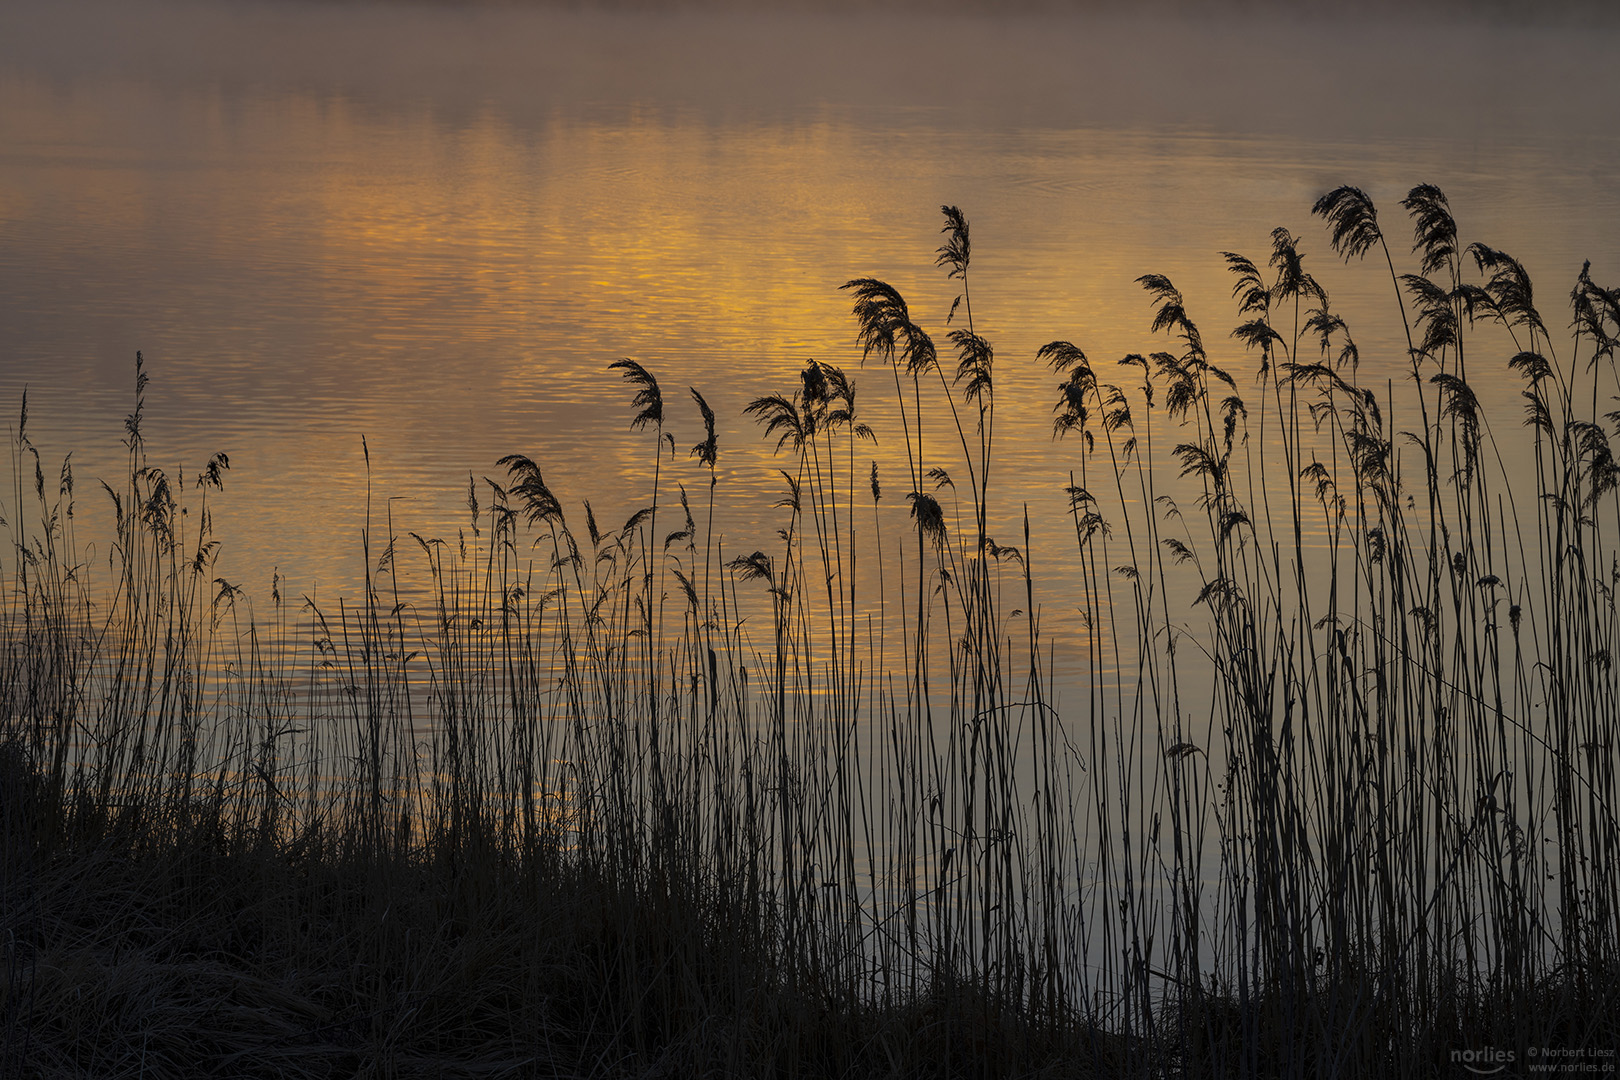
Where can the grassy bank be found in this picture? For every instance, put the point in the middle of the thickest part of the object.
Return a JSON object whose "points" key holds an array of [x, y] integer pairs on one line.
{"points": [[1335, 795]]}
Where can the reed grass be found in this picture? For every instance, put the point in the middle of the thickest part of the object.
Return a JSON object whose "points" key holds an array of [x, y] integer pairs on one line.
{"points": [[1335, 794]]}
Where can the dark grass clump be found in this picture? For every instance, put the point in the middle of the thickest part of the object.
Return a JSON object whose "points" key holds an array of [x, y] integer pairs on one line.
{"points": [[1334, 794]]}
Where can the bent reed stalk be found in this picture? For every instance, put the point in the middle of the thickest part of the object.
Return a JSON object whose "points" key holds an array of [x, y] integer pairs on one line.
{"points": [[1337, 796]]}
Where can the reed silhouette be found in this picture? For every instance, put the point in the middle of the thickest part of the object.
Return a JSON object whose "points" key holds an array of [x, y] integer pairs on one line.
{"points": [[1336, 795]]}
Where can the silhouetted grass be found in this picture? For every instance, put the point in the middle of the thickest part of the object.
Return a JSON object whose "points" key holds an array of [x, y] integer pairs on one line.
{"points": [[1335, 795]]}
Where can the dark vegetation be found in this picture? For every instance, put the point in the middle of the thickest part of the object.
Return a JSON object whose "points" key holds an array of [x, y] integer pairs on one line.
{"points": [[1336, 797]]}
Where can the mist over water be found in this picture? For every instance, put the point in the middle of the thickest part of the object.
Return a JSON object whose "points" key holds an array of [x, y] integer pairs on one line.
{"points": [[1239, 69]]}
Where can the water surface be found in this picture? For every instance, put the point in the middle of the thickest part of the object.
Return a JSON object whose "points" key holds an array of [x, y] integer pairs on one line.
{"points": [[435, 227]]}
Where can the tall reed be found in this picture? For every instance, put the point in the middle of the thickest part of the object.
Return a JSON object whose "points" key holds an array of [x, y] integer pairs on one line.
{"points": [[1334, 793]]}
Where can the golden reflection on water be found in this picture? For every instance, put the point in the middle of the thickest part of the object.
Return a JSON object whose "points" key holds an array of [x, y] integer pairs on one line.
{"points": [[303, 266]]}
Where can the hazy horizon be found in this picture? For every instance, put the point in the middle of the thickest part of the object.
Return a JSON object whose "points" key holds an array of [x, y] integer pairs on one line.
{"points": [[1231, 70]]}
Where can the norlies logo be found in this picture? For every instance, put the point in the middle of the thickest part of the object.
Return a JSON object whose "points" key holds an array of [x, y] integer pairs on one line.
{"points": [[1484, 1062]]}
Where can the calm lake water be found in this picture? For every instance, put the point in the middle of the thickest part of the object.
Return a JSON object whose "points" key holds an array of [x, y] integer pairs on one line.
{"points": [[435, 227]]}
